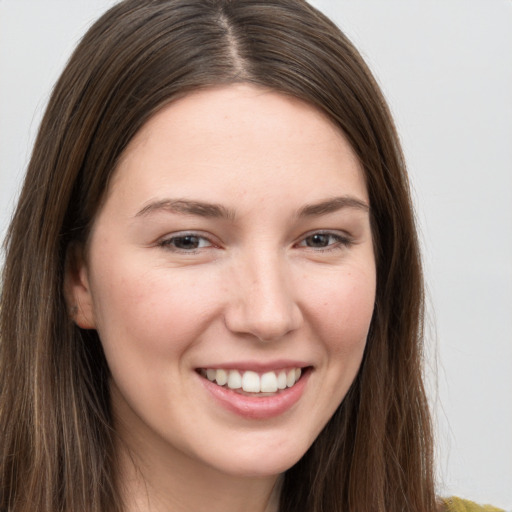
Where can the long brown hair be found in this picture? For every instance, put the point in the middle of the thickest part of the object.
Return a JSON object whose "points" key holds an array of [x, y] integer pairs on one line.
{"points": [[57, 454]]}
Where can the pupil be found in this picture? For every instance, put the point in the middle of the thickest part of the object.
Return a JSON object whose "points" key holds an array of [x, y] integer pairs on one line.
{"points": [[187, 242], [318, 240]]}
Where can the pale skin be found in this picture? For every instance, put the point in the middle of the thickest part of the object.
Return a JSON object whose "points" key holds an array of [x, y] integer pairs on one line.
{"points": [[235, 234]]}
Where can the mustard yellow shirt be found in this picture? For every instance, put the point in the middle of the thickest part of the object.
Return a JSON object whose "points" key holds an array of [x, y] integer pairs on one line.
{"points": [[460, 505]]}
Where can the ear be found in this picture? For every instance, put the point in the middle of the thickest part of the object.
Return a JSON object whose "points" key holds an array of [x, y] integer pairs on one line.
{"points": [[77, 291]]}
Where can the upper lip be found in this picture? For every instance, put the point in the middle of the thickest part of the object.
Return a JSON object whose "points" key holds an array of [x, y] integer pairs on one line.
{"points": [[258, 366]]}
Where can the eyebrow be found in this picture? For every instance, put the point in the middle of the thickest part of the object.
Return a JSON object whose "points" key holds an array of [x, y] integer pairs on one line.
{"points": [[332, 205], [187, 207], [214, 210]]}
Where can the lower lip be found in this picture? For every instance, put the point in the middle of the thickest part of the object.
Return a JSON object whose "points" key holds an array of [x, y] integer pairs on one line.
{"points": [[257, 408]]}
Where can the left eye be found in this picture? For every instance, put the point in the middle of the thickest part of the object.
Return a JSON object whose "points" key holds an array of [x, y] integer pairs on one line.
{"points": [[323, 240], [186, 242]]}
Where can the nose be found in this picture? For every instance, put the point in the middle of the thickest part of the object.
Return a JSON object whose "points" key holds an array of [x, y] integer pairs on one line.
{"points": [[262, 302]]}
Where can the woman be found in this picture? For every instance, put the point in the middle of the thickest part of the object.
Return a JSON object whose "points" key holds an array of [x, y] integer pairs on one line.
{"points": [[212, 294]]}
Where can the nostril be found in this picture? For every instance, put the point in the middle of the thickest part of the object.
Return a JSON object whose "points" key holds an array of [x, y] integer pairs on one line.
{"points": [[264, 324]]}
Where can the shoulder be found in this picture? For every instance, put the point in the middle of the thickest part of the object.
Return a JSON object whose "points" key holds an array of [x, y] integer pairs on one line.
{"points": [[459, 505]]}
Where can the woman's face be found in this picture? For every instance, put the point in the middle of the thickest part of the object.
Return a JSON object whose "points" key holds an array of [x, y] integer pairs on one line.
{"points": [[233, 249]]}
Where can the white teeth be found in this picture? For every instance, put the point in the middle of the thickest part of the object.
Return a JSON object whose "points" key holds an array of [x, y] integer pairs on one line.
{"points": [[290, 378], [281, 380], [234, 379], [222, 377], [252, 382], [268, 382]]}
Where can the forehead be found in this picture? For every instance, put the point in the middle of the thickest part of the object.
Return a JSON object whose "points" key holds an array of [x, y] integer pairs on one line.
{"points": [[240, 139]]}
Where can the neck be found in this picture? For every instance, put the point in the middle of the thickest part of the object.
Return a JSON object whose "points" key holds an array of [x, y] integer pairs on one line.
{"points": [[163, 479]]}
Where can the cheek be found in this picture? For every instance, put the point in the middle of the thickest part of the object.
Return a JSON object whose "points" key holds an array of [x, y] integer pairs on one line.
{"points": [[150, 312], [342, 307], [340, 312]]}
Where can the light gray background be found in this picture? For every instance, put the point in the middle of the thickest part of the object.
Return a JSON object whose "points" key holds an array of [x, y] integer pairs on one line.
{"points": [[446, 69]]}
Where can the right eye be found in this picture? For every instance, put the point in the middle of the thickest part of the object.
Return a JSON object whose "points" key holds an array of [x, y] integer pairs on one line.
{"points": [[186, 242]]}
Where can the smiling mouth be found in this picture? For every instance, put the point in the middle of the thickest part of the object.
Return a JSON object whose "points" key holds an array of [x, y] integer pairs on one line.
{"points": [[253, 383]]}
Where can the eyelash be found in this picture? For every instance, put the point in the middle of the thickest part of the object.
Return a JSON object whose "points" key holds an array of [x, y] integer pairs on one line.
{"points": [[340, 242]]}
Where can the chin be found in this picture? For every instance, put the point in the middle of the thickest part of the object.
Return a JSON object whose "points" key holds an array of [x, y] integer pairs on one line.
{"points": [[259, 463]]}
